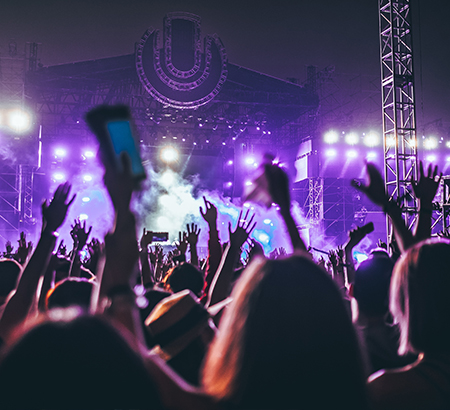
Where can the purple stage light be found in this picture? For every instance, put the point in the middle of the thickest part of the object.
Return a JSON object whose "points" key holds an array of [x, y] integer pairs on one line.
{"points": [[230, 162], [447, 159], [229, 184], [85, 199], [59, 176], [249, 160], [330, 153], [267, 221], [89, 153], [431, 158], [352, 153], [87, 178], [60, 152], [83, 217], [371, 155]]}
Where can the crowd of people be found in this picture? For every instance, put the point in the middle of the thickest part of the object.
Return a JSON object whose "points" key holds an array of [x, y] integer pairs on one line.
{"points": [[133, 327]]}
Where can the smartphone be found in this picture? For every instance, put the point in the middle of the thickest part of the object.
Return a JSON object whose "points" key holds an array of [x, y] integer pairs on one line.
{"points": [[160, 236], [113, 129]]}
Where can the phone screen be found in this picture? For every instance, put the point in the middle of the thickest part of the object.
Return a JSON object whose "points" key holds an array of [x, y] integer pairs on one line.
{"points": [[123, 141]]}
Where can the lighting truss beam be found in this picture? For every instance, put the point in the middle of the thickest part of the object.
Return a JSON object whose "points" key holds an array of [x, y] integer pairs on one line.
{"points": [[398, 106]]}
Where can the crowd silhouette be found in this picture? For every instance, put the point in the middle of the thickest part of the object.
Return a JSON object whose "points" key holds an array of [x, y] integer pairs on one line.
{"points": [[136, 327]]}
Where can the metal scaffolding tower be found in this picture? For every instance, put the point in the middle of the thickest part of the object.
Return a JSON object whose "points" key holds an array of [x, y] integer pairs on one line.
{"points": [[399, 119]]}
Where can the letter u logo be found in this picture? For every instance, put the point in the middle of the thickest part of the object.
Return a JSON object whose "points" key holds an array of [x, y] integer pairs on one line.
{"points": [[179, 74]]}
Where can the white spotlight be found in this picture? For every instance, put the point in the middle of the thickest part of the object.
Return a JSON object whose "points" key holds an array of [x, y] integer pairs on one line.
{"points": [[331, 137], [430, 143], [352, 138], [352, 153], [169, 154], [18, 120], [371, 139]]}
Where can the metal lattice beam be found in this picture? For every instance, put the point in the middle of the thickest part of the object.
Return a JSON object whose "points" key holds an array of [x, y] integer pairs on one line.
{"points": [[399, 120]]}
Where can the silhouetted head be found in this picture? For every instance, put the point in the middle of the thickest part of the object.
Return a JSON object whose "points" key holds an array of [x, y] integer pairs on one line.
{"points": [[419, 298], [71, 361], [286, 341], [9, 274], [70, 292], [371, 284], [186, 276]]}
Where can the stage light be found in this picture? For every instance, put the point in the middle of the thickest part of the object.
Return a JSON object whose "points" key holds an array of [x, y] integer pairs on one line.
{"points": [[18, 120], [230, 162], [331, 137], [352, 138], [390, 141], [430, 143], [371, 155], [352, 153], [169, 155], [447, 144], [447, 159], [267, 221], [330, 153], [59, 176], [371, 139], [249, 160], [89, 154], [87, 178], [229, 184], [248, 183], [167, 179], [60, 152], [83, 217], [263, 238], [85, 199], [431, 158]]}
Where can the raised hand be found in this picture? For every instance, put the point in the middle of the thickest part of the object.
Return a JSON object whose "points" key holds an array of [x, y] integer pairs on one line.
{"points": [[79, 234], [62, 248], [243, 229], [55, 213], [278, 186], [182, 243], [375, 189], [23, 250], [426, 187], [146, 238], [9, 249], [192, 234], [210, 214]]}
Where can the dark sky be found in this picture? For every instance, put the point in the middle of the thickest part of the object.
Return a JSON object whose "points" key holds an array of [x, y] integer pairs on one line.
{"points": [[279, 38]]}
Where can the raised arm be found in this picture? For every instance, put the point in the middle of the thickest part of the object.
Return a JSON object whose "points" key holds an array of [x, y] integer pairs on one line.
{"points": [[193, 233], [376, 192], [279, 191], [148, 279], [221, 283], [425, 191], [23, 299]]}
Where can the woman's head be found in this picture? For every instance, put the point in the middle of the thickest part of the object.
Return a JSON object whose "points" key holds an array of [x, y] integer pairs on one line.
{"points": [[419, 297], [285, 341]]}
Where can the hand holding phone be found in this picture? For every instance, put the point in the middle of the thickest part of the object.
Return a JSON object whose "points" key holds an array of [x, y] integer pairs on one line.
{"points": [[113, 128]]}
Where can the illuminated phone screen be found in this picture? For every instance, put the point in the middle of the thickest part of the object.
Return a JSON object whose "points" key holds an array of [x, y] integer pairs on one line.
{"points": [[122, 141]]}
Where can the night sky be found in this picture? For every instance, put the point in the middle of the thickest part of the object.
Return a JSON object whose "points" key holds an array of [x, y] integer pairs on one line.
{"points": [[278, 38]]}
